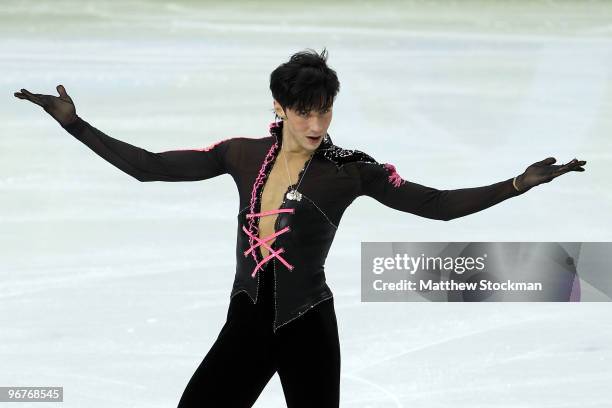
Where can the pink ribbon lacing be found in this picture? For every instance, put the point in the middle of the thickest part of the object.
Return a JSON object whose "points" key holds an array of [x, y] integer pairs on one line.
{"points": [[263, 241]]}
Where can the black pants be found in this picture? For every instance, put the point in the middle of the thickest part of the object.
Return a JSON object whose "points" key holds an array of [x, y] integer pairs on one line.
{"points": [[305, 352]]}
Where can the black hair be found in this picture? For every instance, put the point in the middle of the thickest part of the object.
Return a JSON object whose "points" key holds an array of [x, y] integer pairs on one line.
{"points": [[305, 82]]}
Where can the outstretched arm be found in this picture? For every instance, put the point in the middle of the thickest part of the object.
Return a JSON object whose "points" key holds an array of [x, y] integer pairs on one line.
{"points": [[383, 183], [143, 165], [174, 165]]}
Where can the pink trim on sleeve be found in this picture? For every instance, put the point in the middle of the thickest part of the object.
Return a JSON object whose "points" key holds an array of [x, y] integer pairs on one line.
{"points": [[394, 177], [202, 149]]}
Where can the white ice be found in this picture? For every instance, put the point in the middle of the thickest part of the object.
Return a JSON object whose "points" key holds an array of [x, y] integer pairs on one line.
{"points": [[116, 289]]}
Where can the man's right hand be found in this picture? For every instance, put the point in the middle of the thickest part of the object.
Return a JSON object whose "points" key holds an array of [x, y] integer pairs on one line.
{"points": [[60, 108]]}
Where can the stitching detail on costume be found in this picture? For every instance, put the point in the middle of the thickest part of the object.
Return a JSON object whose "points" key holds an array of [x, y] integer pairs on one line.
{"points": [[321, 211], [245, 291], [243, 209], [300, 314]]}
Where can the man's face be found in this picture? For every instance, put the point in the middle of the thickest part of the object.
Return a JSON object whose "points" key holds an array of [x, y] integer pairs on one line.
{"points": [[307, 129]]}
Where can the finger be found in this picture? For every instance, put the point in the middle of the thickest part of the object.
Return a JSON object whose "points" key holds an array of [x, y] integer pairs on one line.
{"points": [[571, 164], [557, 170], [577, 168], [576, 164], [561, 171], [62, 91], [23, 94], [568, 165], [26, 92], [547, 161], [32, 97]]}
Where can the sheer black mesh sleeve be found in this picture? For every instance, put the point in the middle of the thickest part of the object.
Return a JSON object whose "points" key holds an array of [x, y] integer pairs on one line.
{"points": [[383, 183], [143, 165]]}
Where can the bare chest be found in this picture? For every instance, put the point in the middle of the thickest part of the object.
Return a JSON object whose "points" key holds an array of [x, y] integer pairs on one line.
{"points": [[274, 191]]}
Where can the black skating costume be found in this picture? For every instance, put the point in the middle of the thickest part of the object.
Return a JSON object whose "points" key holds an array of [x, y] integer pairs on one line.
{"points": [[257, 339]]}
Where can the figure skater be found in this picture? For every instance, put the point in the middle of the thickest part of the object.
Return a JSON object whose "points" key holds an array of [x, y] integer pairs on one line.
{"points": [[294, 185]]}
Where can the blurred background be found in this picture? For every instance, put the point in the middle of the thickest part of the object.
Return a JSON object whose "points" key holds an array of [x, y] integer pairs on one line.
{"points": [[116, 289]]}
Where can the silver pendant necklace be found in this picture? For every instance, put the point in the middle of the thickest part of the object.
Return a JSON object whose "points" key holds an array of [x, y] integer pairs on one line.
{"points": [[294, 194]]}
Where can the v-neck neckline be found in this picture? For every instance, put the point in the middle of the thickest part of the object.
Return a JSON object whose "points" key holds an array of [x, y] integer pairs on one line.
{"points": [[276, 132], [290, 187]]}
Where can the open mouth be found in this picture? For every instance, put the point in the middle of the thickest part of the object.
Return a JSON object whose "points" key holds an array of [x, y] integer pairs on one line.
{"points": [[314, 139]]}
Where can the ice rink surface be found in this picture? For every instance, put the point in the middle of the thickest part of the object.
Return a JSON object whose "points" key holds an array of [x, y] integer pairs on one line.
{"points": [[116, 289]]}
